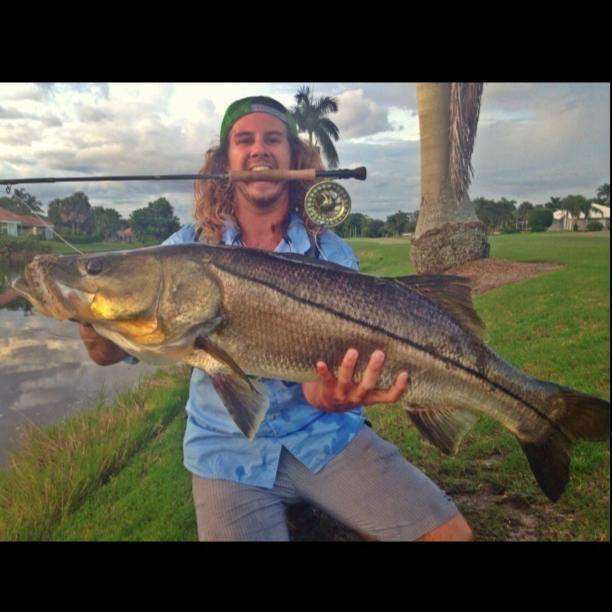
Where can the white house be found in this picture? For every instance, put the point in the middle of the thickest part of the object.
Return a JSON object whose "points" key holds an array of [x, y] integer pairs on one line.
{"points": [[9, 222], [564, 221], [31, 224], [17, 225]]}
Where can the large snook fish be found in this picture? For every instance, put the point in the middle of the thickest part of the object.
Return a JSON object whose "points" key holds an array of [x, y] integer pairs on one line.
{"points": [[240, 314]]}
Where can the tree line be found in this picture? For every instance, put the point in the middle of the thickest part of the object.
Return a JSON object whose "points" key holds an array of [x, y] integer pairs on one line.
{"points": [[504, 215], [359, 225], [75, 216], [501, 215]]}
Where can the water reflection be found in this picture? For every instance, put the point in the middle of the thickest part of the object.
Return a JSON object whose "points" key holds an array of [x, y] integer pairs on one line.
{"points": [[45, 371]]}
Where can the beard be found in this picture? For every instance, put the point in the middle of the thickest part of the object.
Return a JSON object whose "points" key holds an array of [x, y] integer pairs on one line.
{"points": [[264, 198]]}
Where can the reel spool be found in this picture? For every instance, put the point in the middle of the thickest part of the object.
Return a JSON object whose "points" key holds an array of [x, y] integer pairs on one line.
{"points": [[327, 204]]}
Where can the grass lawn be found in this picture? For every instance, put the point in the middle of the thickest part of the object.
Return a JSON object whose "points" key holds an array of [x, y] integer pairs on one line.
{"points": [[554, 326]]}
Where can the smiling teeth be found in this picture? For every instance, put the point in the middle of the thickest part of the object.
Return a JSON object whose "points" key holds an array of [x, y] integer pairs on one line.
{"points": [[260, 168]]}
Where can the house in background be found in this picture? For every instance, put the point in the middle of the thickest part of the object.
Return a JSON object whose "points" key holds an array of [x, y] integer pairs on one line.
{"points": [[21, 225], [35, 226], [564, 221], [9, 223], [125, 235]]}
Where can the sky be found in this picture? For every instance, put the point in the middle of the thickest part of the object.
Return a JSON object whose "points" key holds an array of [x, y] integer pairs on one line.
{"points": [[534, 140]]}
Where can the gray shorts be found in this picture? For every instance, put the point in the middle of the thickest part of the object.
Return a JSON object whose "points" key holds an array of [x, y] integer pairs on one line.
{"points": [[369, 487]]}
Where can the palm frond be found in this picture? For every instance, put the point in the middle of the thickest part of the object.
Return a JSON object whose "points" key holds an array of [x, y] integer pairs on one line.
{"points": [[329, 150], [326, 105], [464, 111], [303, 95], [299, 117], [330, 127]]}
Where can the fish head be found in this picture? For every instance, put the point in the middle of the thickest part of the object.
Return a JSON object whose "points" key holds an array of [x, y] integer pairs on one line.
{"points": [[93, 288], [147, 296]]}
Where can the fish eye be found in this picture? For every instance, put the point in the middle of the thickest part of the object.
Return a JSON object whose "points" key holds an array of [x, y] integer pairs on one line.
{"points": [[94, 266]]}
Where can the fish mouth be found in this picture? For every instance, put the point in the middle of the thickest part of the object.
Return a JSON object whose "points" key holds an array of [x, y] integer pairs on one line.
{"points": [[23, 288], [50, 297]]}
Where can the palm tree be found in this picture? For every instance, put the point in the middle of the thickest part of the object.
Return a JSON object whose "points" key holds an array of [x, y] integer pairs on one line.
{"points": [[574, 205], [603, 194], [310, 117], [448, 232]]}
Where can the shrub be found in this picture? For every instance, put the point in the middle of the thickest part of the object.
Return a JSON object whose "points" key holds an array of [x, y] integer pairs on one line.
{"points": [[82, 239], [26, 242], [540, 219], [594, 226]]}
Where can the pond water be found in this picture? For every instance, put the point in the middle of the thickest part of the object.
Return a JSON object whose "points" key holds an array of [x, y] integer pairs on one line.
{"points": [[45, 371]]}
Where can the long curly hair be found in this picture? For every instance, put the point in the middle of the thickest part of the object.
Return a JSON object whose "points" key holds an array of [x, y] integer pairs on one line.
{"points": [[214, 200]]}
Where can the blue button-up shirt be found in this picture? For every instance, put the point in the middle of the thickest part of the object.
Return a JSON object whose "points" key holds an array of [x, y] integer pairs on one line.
{"points": [[215, 448]]}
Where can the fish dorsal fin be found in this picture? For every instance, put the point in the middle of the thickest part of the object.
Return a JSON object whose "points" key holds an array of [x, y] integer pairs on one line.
{"points": [[450, 292], [444, 427]]}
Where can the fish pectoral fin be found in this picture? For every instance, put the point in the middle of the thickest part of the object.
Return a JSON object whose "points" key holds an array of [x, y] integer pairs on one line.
{"points": [[444, 427], [452, 293], [244, 397]]}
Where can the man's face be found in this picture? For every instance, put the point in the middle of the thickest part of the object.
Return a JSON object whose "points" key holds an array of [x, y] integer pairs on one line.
{"points": [[259, 140]]}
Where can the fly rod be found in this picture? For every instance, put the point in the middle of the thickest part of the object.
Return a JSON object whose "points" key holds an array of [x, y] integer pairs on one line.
{"points": [[309, 174]]}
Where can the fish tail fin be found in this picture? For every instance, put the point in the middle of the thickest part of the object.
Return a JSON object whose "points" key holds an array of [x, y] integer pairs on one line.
{"points": [[572, 416]]}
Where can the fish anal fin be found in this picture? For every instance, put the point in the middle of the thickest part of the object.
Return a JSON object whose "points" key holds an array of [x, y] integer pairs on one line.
{"points": [[451, 293], [443, 426]]}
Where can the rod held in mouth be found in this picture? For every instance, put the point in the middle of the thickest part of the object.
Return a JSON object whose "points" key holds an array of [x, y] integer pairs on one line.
{"points": [[308, 174]]}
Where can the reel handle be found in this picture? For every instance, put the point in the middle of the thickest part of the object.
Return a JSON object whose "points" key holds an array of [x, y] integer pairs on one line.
{"points": [[356, 173]]}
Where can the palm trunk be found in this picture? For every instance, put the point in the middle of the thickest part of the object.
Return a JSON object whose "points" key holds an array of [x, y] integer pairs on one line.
{"points": [[448, 231]]}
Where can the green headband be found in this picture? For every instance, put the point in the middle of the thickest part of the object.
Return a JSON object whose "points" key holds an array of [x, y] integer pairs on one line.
{"points": [[256, 104]]}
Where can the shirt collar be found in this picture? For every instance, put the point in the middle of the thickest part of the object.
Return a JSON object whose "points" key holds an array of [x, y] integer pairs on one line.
{"points": [[295, 240]]}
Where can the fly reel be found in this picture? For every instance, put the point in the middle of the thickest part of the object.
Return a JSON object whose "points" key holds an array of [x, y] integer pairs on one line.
{"points": [[327, 204]]}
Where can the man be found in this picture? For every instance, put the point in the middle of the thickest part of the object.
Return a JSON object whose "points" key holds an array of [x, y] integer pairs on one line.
{"points": [[313, 444]]}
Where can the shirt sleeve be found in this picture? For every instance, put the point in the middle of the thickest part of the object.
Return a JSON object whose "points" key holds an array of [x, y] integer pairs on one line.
{"points": [[334, 249], [131, 360], [185, 234]]}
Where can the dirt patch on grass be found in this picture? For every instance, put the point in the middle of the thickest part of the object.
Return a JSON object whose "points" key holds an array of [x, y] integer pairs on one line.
{"points": [[490, 273]]}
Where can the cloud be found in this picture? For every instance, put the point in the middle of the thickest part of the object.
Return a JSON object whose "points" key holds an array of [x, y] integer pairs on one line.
{"points": [[92, 114], [534, 139], [47, 119], [392, 182], [543, 139], [17, 136], [37, 92], [359, 116]]}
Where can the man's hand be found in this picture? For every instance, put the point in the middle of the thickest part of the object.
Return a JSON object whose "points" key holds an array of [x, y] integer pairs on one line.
{"points": [[340, 394], [7, 296], [100, 349]]}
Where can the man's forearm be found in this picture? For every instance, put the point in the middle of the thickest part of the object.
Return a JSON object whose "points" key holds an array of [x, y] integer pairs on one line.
{"points": [[100, 349]]}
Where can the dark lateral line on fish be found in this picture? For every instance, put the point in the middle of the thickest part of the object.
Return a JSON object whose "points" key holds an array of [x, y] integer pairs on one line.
{"points": [[396, 337]]}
